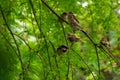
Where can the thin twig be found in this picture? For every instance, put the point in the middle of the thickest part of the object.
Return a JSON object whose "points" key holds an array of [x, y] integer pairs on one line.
{"points": [[19, 54], [43, 65], [23, 41], [33, 10], [64, 33], [88, 37], [107, 56], [111, 55], [28, 47], [98, 62], [84, 63], [68, 52], [53, 11], [95, 45], [56, 61]]}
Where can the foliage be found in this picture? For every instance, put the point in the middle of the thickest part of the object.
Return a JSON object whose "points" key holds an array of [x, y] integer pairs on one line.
{"points": [[30, 34]]}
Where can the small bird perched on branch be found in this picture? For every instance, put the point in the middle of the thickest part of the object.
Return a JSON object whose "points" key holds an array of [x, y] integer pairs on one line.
{"points": [[62, 49], [105, 42], [72, 38], [74, 23], [63, 16]]}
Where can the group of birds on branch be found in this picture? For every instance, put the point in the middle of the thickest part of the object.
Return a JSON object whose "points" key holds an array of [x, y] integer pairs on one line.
{"points": [[71, 19], [75, 25]]}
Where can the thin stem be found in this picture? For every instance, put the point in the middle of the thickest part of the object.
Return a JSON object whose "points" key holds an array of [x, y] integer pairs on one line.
{"points": [[19, 54], [33, 10], [98, 62], [84, 63], [53, 11]]}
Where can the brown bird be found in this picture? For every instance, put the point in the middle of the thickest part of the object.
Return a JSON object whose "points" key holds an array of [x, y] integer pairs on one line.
{"points": [[72, 38], [105, 42], [74, 23], [62, 49], [63, 16]]}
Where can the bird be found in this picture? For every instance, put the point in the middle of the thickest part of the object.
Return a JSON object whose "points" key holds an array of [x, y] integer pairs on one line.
{"points": [[105, 42], [62, 49], [63, 16], [72, 38], [73, 22]]}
